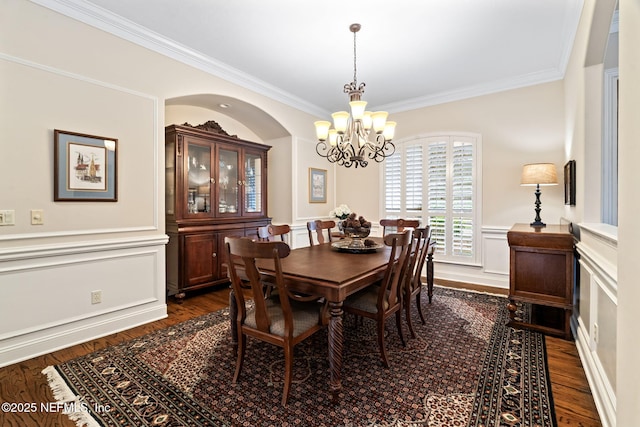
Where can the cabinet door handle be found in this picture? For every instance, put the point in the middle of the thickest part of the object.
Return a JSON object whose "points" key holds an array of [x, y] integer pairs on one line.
{"points": [[214, 255], [212, 180]]}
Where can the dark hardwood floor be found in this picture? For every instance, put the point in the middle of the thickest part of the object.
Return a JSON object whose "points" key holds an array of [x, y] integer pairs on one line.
{"points": [[24, 383]]}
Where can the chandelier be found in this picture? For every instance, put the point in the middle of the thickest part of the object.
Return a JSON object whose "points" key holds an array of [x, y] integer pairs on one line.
{"points": [[357, 137]]}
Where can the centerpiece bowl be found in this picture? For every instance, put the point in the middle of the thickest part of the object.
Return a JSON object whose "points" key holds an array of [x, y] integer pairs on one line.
{"points": [[356, 235]]}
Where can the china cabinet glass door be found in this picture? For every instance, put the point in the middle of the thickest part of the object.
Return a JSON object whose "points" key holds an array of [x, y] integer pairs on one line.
{"points": [[228, 181], [198, 179], [253, 183]]}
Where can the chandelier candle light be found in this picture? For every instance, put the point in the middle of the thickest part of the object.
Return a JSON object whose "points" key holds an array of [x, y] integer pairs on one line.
{"points": [[361, 135], [539, 174]]}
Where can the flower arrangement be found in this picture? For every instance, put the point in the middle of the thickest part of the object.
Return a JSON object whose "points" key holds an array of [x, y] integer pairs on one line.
{"points": [[341, 212]]}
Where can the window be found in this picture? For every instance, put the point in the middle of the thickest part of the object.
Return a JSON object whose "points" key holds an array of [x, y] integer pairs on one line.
{"points": [[610, 149], [436, 179]]}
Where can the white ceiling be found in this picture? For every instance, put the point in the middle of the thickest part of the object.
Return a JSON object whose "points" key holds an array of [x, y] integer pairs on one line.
{"points": [[410, 53]]}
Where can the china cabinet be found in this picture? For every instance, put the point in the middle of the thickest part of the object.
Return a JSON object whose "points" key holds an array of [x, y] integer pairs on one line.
{"points": [[215, 186]]}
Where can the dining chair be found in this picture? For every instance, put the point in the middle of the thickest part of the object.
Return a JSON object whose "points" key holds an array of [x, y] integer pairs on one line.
{"points": [[318, 226], [379, 302], [267, 233], [413, 278], [283, 321], [399, 224]]}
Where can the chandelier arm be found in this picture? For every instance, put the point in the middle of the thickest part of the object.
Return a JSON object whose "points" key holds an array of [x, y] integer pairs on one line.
{"points": [[381, 150], [330, 156]]}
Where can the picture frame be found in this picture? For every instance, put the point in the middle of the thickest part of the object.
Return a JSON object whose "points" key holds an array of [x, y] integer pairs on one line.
{"points": [[570, 183], [317, 185], [85, 167]]}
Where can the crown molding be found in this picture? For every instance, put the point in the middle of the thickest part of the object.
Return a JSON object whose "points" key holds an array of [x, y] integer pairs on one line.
{"points": [[104, 20], [95, 16], [473, 91]]}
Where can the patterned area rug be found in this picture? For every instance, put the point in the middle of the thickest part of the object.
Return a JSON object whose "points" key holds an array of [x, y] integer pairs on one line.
{"points": [[466, 368]]}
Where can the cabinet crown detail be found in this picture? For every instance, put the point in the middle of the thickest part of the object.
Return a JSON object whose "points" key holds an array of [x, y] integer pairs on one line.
{"points": [[211, 126]]}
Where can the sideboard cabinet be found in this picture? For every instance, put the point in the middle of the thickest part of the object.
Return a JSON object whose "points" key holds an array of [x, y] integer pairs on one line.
{"points": [[215, 186], [541, 276]]}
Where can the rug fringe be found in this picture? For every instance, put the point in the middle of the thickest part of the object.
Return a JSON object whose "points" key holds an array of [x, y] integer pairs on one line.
{"points": [[62, 393]]}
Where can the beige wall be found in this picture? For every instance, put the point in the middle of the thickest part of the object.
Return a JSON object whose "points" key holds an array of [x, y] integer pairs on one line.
{"points": [[180, 114], [56, 72], [65, 74], [517, 126], [628, 403]]}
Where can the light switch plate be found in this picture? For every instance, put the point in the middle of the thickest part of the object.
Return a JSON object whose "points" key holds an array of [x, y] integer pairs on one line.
{"points": [[7, 217], [37, 217]]}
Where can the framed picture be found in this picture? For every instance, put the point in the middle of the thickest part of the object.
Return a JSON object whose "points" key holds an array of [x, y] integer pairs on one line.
{"points": [[317, 185], [570, 183], [85, 168]]}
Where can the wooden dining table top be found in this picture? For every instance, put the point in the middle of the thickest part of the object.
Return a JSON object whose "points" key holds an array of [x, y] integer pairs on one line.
{"points": [[325, 271]]}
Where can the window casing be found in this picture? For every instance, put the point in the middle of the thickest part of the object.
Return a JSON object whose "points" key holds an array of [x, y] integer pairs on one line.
{"points": [[436, 179], [610, 149]]}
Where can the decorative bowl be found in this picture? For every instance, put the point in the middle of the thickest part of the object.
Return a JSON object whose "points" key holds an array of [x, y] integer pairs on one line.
{"points": [[357, 233]]}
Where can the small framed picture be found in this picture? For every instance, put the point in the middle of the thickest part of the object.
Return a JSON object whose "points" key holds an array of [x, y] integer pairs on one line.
{"points": [[570, 183], [85, 168], [317, 185]]}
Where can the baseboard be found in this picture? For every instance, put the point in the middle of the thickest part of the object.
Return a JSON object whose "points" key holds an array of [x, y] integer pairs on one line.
{"points": [[471, 287], [604, 404], [44, 342]]}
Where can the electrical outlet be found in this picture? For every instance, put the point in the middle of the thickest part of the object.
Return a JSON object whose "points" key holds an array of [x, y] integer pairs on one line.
{"points": [[96, 297], [595, 333]]}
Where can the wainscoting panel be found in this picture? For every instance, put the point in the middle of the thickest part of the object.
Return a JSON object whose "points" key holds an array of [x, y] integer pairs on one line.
{"points": [[48, 293], [493, 271], [596, 321], [495, 250]]}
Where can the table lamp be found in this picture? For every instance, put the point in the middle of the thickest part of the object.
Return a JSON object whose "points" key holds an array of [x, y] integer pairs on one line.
{"points": [[539, 174]]}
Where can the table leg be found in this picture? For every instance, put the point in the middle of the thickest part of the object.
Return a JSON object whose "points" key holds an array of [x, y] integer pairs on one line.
{"points": [[335, 350], [430, 275], [233, 314]]}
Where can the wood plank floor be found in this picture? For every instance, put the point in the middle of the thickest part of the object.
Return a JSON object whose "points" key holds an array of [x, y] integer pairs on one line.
{"points": [[24, 383]]}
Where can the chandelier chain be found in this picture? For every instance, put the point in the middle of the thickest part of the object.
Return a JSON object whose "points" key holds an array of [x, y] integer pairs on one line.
{"points": [[355, 79]]}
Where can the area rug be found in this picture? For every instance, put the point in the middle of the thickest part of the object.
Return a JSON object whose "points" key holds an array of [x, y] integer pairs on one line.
{"points": [[465, 368]]}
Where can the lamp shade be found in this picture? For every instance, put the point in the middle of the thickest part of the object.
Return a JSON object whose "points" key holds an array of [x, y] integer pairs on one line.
{"points": [[539, 174], [322, 129]]}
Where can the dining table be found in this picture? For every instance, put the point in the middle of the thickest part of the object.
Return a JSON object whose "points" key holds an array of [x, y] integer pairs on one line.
{"points": [[333, 274]]}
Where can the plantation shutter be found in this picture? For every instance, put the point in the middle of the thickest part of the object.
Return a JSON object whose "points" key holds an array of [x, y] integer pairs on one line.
{"points": [[434, 179], [437, 193], [393, 183], [462, 198], [413, 178]]}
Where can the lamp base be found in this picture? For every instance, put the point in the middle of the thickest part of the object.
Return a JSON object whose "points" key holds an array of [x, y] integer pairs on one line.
{"points": [[537, 221]]}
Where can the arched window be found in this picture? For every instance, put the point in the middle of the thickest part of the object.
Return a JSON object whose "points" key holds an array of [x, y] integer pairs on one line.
{"points": [[437, 179]]}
